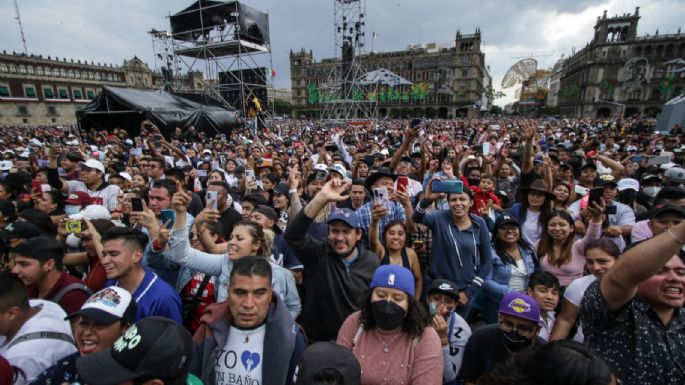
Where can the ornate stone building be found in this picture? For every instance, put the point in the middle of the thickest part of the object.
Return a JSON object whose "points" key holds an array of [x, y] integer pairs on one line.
{"points": [[620, 73], [37, 90], [448, 80]]}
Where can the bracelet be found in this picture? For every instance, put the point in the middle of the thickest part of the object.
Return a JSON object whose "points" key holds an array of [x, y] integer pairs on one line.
{"points": [[674, 237], [292, 190]]}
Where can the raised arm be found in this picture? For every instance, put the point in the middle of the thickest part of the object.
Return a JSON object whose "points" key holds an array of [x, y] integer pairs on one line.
{"points": [[636, 265], [529, 135]]}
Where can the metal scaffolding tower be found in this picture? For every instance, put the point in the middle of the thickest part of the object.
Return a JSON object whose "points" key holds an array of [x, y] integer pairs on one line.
{"points": [[343, 97]]}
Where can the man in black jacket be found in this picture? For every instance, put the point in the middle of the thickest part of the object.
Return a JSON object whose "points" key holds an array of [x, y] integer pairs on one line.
{"points": [[336, 271]]}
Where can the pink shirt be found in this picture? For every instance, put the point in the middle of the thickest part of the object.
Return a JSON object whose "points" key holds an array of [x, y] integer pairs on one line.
{"points": [[576, 266], [406, 362], [641, 231]]}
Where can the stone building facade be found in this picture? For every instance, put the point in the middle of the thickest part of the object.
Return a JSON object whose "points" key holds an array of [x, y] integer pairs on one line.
{"points": [[621, 73], [448, 80], [37, 90]]}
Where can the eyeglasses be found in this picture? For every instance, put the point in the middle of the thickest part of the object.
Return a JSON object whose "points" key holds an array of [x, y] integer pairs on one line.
{"points": [[508, 326]]}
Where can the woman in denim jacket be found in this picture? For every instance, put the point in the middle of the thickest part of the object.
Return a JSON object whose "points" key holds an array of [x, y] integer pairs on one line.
{"points": [[513, 261]]}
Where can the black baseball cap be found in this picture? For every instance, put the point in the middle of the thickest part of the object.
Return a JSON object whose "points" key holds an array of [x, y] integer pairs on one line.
{"points": [[267, 211], [282, 188], [666, 208], [20, 230], [328, 355], [506, 219], [42, 248], [154, 347], [445, 287]]}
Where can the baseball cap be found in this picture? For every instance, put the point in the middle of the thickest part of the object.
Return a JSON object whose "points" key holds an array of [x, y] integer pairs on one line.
{"points": [[675, 174], [20, 230], [74, 157], [346, 215], [92, 212], [606, 179], [108, 306], [282, 188], [628, 183], [267, 211], [506, 219], [666, 208], [445, 287], [339, 169], [154, 347], [96, 164], [328, 355], [41, 248], [520, 305], [78, 198], [393, 277], [6, 165]]}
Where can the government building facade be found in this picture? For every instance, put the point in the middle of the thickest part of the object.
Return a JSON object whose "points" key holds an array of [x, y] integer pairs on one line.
{"points": [[447, 80], [619, 73], [37, 90]]}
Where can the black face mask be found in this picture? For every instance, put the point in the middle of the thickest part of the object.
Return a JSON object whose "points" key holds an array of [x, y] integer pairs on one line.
{"points": [[514, 341], [473, 181], [388, 315]]}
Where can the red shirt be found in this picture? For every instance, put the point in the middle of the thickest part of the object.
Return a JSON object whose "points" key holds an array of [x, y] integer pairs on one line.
{"points": [[206, 298], [71, 301]]}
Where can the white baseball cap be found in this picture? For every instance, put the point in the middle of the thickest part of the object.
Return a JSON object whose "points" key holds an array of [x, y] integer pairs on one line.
{"points": [[96, 164], [108, 306], [628, 183], [92, 212]]}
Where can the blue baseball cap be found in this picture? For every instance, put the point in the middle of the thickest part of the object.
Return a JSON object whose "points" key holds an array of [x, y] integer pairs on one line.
{"points": [[394, 277], [346, 215]]}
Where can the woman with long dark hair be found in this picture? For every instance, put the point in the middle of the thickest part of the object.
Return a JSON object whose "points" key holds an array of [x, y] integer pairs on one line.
{"points": [[390, 335], [600, 256], [513, 261], [533, 210], [559, 252]]}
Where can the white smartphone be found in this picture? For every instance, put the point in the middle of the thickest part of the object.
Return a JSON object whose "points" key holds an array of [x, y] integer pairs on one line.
{"points": [[380, 196], [211, 198], [486, 148], [249, 174]]}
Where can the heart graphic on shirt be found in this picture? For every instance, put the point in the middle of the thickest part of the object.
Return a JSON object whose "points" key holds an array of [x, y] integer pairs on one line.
{"points": [[250, 360]]}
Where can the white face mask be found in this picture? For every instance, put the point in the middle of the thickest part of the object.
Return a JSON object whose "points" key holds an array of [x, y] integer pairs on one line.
{"points": [[651, 191], [73, 241]]}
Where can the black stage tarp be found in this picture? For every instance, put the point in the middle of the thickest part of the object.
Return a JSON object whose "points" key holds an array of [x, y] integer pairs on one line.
{"points": [[127, 107]]}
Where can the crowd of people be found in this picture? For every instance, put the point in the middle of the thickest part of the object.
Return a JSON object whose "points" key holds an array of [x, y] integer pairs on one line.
{"points": [[426, 252]]}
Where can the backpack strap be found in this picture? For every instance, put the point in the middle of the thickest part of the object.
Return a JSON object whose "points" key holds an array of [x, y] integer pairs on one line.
{"points": [[72, 286], [42, 335]]}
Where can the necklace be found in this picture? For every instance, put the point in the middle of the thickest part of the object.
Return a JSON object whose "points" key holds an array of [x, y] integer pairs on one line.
{"points": [[386, 347]]}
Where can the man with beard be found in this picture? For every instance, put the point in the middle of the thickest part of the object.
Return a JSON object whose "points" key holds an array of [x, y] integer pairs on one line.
{"points": [[337, 270], [493, 345]]}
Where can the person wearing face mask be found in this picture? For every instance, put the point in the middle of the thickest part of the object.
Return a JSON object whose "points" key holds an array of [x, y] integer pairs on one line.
{"points": [[493, 345], [390, 335], [453, 330], [104, 317]]}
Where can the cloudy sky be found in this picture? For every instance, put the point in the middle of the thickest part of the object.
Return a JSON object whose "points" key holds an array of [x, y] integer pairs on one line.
{"points": [[113, 30]]}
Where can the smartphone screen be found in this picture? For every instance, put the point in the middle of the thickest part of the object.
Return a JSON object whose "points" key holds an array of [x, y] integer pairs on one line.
{"points": [[136, 204], [402, 182], [486, 148], [596, 196]]}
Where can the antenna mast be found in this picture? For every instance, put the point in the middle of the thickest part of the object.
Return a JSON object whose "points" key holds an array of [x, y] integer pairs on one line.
{"points": [[21, 28]]}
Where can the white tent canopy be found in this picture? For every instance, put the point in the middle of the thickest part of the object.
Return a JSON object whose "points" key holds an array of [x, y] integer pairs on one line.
{"points": [[384, 77]]}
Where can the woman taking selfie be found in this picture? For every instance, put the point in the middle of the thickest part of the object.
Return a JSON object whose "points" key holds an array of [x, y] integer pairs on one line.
{"points": [[559, 253], [393, 250], [390, 335]]}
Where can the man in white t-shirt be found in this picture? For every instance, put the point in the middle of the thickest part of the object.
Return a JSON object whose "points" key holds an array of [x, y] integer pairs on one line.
{"points": [[544, 288], [33, 334], [251, 337]]}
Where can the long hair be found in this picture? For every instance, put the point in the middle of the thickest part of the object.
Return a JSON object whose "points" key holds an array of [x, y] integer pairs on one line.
{"points": [[546, 245], [259, 236], [544, 209], [500, 249], [556, 363], [392, 224], [414, 322]]}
